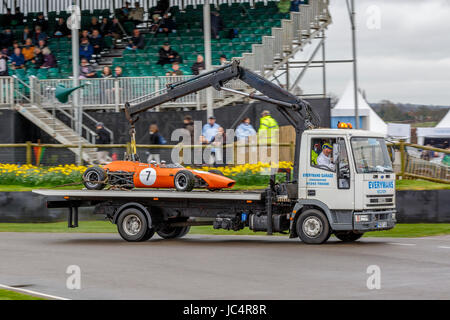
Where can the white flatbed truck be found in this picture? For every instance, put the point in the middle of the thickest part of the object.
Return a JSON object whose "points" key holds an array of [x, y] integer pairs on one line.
{"points": [[354, 195]]}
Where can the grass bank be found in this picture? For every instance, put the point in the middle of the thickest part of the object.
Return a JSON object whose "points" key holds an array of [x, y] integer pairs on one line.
{"points": [[12, 295], [401, 230]]}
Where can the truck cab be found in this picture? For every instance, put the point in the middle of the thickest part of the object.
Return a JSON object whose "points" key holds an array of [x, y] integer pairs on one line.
{"points": [[356, 190]]}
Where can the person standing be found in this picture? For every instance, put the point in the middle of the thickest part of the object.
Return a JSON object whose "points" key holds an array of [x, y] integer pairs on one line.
{"points": [[103, 137], [155, 139], [245, 130], [246, 134], [268, 135], [188, 124]]}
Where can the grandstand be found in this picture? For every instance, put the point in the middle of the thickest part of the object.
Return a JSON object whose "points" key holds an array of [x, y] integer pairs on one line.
{"points": [[266, 39]]}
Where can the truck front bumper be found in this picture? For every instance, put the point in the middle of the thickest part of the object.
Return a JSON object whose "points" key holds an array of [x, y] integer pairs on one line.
{"points": [[374, 220]]}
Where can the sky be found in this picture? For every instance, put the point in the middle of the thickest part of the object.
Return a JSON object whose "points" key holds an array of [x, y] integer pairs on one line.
{"points": [[403, 51]]}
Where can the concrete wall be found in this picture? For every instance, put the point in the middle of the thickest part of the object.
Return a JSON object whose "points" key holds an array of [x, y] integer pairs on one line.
{"points": [[413, 207]]}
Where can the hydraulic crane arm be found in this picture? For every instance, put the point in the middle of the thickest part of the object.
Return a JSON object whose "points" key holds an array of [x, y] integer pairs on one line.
{"points": [[217, 78], [297, 111]]}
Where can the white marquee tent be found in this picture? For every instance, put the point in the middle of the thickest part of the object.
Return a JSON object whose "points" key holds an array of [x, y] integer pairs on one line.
{"points": [[344, 111]]}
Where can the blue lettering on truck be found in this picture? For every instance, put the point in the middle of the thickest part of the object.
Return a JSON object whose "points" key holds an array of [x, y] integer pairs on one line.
{"points": [[381, 184]]}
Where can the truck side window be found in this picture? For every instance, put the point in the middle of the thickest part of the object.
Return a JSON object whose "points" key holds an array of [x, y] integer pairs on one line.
{"points": [[343, 174], [322, 153]]}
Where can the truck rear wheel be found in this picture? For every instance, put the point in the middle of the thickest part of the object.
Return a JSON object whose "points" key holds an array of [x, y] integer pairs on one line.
{"points": [[173, 232], [94, 177], [313, 227], [348, 236], [133, 226], [184, 180]]}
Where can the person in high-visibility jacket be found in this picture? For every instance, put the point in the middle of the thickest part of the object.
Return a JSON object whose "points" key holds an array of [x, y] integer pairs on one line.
{"points": [[268, 128]]}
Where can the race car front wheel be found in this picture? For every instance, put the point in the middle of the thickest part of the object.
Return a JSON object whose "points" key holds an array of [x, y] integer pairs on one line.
{"points": [[94, 178], [184, 180]]}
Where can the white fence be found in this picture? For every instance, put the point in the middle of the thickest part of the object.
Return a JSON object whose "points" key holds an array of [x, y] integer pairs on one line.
{"points": [[100, 93]]}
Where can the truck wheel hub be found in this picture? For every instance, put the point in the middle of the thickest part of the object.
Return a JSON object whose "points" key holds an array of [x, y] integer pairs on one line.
{"points": [[132, 225], [312, 227]]}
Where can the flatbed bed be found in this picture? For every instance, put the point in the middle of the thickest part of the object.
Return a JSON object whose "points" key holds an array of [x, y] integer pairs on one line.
{"points": [[254, 195]]}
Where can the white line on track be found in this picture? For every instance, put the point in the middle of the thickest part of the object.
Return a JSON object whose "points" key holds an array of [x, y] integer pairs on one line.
{"points": [[34, 293], [443, 247], [402, 244]]}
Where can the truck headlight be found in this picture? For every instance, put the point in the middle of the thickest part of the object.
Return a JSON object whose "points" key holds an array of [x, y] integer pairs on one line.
{"points": [[362, 218], [393, 215]]}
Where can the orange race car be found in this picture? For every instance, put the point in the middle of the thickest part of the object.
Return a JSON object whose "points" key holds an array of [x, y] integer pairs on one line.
{"points": [[130, 174]]}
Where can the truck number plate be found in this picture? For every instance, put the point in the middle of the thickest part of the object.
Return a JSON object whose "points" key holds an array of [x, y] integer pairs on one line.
{"points": [[382, 224]]}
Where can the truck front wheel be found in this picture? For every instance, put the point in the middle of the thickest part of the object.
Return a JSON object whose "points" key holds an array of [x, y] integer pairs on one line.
{"points": [[133, 226], [313, 227], [348, 236]]}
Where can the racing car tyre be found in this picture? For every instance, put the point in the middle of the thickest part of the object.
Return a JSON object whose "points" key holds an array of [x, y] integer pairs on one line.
{"points": [[173, 232], [184, 180], [348, 236], [133, 226], [93, 178]]}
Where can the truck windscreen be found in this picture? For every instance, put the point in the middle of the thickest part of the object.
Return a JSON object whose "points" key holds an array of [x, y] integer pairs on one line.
{"points": [[371, 155]]}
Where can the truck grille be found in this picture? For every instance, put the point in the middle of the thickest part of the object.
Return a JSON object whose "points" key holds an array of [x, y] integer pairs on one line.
{"points": [[380, 200]]}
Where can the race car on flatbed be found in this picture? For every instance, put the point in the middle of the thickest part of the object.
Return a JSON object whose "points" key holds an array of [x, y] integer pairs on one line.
{"points": [[133, 174]]}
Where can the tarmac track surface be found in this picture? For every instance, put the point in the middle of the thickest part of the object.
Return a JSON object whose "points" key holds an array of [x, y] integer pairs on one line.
{"points": [[225, 267]]}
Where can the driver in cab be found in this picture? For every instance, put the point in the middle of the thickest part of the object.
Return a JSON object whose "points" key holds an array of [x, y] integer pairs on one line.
{"points": [[324, 158]]}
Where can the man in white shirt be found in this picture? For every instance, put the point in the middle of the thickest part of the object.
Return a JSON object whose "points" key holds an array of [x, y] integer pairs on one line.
{"points": [[324, 159]]}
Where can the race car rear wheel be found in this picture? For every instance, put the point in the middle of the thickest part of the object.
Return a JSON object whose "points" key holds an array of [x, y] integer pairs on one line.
{"points": [[184, 180], [94, 178]]}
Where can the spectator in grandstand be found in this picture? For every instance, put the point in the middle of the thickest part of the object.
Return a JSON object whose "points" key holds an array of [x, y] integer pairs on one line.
{"points": [[167, 24], [245, 130], [155, 139], [28, 50], [295, 5], [105, 27], [124, 12], [86, 70], [97, 41], [49, 59], [41, 44], [216, 24], [61, 29], [7, 38], [102, 137], [118, 72], [4, 65], [115, 29], [137, 14], [106, 72], [209, 130], [6, 19], [41, 22], [86, 49], [84, 34], [198, 66], [175, 70], [38, 59], [223, 60], [94, 25], [162, 6], [136, 41], [39, 35], [167, 55], [18, 17], [284, 6], [17, 59], [26, 34]]}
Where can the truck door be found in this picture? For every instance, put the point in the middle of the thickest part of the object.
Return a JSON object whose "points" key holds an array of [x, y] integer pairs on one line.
{"points": [[328, 175]]}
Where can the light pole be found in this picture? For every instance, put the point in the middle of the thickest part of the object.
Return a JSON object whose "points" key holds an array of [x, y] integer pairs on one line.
{"points": [[355, 73], [208, 59], [74, 25]]}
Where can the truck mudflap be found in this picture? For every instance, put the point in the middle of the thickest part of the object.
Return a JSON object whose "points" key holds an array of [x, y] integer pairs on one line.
{"points": [[374, 220]]}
